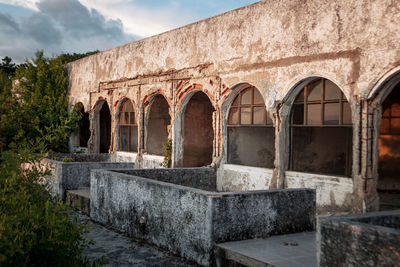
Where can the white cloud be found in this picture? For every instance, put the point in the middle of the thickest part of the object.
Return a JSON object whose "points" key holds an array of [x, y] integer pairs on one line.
{"points": [[31, 4], [139, 20]]}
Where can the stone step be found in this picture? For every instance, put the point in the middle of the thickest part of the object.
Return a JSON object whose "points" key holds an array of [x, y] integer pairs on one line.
{"points": [[284, 250], [79, 199]]}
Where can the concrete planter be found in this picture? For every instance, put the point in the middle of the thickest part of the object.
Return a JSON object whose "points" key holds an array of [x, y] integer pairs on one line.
{"points": [[72, 171], [371, 239], [189, 221]]}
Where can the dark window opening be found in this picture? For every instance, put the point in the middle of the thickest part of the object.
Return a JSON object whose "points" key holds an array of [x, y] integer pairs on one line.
{"points": [[251, 135], [321, 130], [389, 144], [157, 126], [84, 129], [105, 128], [128, 130], [198, 131]]}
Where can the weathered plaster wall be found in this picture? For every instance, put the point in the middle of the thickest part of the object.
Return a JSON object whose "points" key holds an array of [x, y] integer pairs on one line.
{"points": [[334, 194], [273, 45], [235, 178]]}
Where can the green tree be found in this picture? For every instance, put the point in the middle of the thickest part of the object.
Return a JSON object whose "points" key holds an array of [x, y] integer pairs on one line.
{"points": [[7, 67], [41, 90], [67, 57], [35, 228]]}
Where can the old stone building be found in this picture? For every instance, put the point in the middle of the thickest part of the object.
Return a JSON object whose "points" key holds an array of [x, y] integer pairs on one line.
{"points": [[278, 94]]}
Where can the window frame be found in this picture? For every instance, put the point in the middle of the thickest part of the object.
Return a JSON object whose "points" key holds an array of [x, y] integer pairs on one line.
{"points": [[389, 117], [342, 100], [130, 126], [267, 121]]}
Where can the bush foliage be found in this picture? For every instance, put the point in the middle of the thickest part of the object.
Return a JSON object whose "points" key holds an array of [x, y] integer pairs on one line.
{"points": [[36, 229]]}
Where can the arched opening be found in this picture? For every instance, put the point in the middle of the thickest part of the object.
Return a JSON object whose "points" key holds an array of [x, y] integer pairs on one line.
{"points": [[198, 131], [84, 127], [157, 125], [251, 135], [321, 130], [79, 137], [104, 128], [128, 130], [389, 151]]}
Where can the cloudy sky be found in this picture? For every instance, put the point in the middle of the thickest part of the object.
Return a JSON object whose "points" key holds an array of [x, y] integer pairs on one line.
{"points": [[57, 26]]}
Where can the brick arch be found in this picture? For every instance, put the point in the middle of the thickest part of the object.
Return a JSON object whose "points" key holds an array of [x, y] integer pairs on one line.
{"points": [[184, 93], [383, 87], [148, 98]]}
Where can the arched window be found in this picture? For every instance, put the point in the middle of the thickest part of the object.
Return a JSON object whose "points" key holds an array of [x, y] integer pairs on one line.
{"points": [[321, 130], [251, 135], [389, 148], [128, 136]]}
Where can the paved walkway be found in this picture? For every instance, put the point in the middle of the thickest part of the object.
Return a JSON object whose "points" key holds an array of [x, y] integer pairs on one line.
{"points": [[281, 251], [120, 251]]}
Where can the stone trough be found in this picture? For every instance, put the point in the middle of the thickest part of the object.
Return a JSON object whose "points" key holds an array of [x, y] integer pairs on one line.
{"points": [[371, 239], [180, 209], [72, 171]]}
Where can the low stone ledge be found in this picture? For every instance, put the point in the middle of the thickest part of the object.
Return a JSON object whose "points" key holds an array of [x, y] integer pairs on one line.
{"points": [[189, 221], [72, 171]]}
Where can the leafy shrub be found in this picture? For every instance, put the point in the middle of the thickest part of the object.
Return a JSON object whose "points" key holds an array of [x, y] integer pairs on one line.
{"points": [[167, 147], [35, 228]]}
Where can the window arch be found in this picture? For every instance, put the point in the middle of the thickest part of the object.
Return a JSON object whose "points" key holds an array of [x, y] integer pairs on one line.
{"points": [[251, 135], [389, 144], [321, 130], [128, 136]]}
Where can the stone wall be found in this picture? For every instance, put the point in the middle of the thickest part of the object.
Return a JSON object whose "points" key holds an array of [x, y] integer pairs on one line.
{"points": [[189, 221]]}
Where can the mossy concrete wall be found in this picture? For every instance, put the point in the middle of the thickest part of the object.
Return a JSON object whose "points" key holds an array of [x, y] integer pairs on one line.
{"points": [[189, 221]]}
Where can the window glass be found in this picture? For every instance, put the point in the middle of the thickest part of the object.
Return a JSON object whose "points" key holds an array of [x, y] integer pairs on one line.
{"points": [[132, 118], [298, 114], [234, 116], [300, 97], [259, 115], [133, 138], [245, 116], [314, 114], [246, 97], [347, 113], [331, 113], [395, 125], [258, 99], [332, 92], [314, 90], [125, 118], [395, 110], [124, 134], [385, 125]]}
